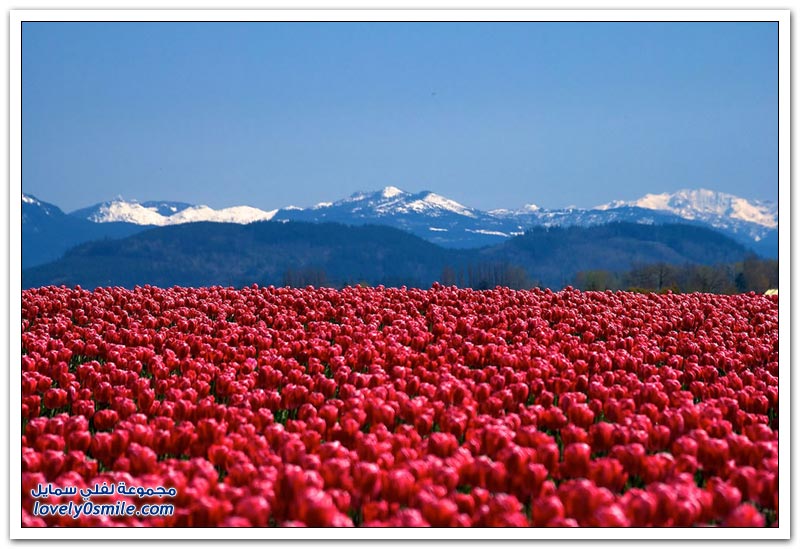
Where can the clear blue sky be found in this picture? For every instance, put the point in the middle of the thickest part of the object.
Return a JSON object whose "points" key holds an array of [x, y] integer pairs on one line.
{"points": [[491, 115]]}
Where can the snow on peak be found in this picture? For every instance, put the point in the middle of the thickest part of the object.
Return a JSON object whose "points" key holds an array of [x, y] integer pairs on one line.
{"points": [[236, 214], [127, 212], [391, 192], [355, 197], [759, 213], [30, 204], [526, 209], [393, 200], [136, 213], [436, 202], [704, 204]]}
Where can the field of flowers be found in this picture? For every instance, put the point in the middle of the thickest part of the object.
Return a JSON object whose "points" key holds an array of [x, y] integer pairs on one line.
{"points": [[403, 407]]}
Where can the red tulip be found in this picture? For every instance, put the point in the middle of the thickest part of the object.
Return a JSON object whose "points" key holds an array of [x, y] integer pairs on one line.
{"points": [[405, 407], [545, 510], [576, 460], [745, 516], [105, 419], [55, 398]]}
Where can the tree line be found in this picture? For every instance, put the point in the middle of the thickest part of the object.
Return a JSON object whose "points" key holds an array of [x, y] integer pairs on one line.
{"points": [[752, 274]]}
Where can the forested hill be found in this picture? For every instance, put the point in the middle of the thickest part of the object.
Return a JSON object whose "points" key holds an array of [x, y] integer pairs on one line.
{"points": [[297, 253]]}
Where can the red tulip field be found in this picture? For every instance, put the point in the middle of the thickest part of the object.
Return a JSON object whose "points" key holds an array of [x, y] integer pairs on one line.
{"points": [[399, 407]]}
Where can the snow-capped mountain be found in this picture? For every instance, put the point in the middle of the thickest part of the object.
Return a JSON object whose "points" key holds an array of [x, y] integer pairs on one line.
{"points": [[526, 209], [426, 214], [168, 213], [449, 223], [34, 209], [446, 222], [720, 210], [166, 208], [393, 201]]}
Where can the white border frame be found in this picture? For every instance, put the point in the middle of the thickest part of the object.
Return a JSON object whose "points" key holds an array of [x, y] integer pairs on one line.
{"points": [[16, 17]]}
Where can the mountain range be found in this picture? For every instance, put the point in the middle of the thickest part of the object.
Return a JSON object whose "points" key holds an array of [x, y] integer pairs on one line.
{"points": [[48, 232]]}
